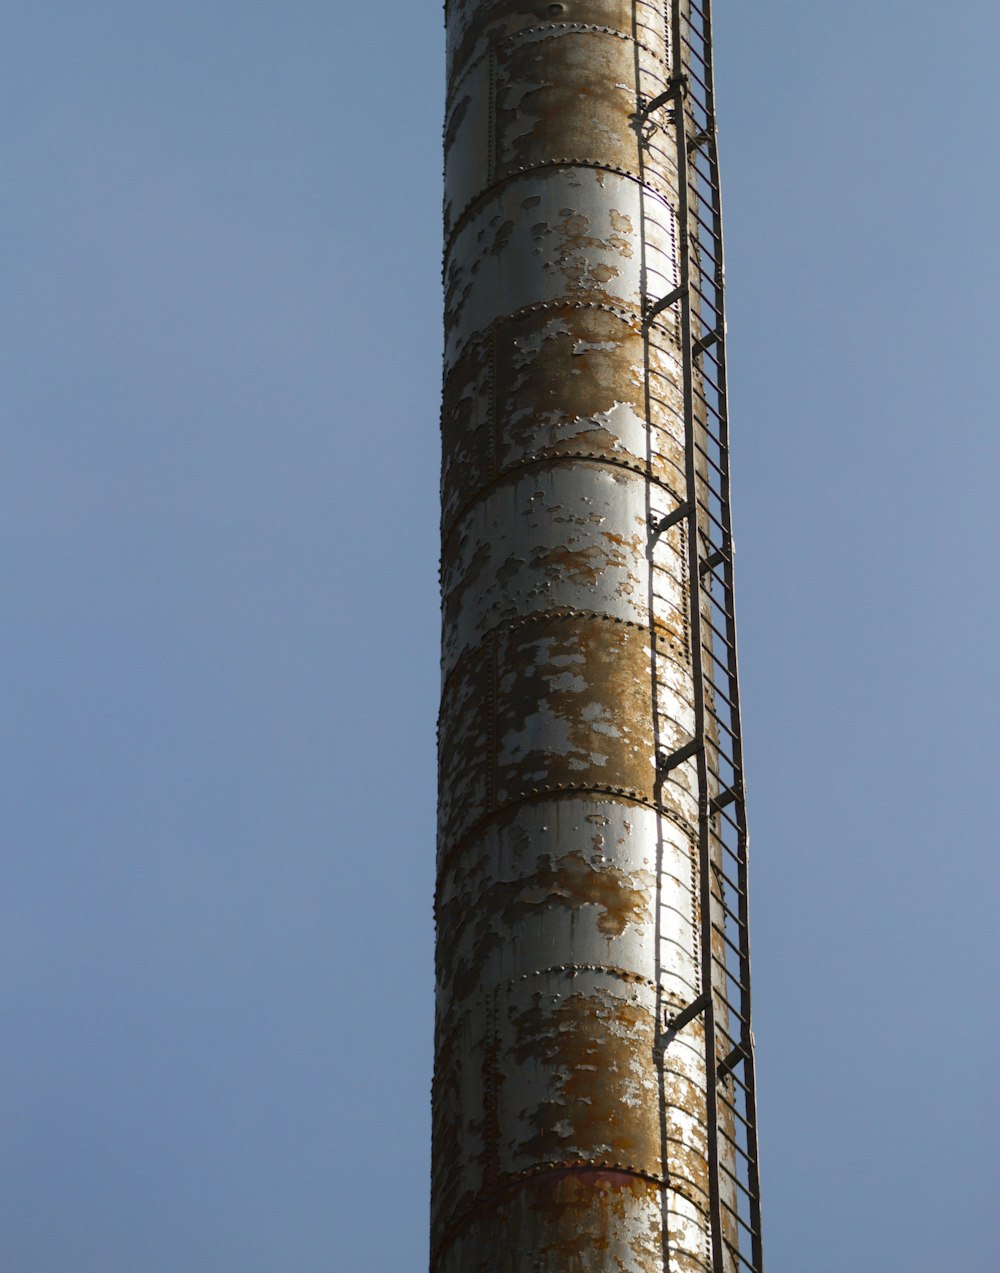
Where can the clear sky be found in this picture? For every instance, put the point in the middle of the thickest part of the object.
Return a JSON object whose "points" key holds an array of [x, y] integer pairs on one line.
{"points": [[218, 519]]}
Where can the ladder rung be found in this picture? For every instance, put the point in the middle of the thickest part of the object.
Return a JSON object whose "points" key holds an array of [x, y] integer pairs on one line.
{"points": [[736, 1216]]}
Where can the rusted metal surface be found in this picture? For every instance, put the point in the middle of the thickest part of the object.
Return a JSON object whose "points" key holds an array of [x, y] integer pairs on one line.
{"points": [[575, 1129]]}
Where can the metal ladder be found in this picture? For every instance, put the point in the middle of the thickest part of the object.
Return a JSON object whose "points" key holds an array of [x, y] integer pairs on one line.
{"points": [[698, 306]]}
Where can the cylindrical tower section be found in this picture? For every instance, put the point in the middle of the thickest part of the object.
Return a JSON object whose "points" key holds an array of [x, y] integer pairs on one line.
{"points": [[570, 1125]]}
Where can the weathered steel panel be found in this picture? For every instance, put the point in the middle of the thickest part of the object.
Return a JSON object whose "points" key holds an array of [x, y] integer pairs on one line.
{"points": [[474, 26], [571, 1123], [562, 535], [557, 235], [574, 876], [579, 383]]}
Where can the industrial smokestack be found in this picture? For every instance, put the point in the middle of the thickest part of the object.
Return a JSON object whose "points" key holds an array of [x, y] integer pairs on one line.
{"points": [[594, 1100]]}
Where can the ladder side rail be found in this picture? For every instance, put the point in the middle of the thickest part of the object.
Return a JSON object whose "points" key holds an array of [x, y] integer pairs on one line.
{"points": [[701, 233], [682, 125]]}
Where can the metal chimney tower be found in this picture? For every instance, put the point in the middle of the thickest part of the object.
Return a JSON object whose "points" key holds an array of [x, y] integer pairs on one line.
{"points": [[594, 1103]]}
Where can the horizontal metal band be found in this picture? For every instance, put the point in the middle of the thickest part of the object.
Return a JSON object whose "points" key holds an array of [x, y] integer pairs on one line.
{"points": [[580, 882], [597, 792], [662, 644], [628, 313], [631, 315], [544, 461], [624, 975], [516, 1181], [620, 974], [525, 252], [554, 29], [547, 30], [545, 165]]}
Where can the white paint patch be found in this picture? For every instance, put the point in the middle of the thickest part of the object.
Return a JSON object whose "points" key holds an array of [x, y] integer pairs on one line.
{"points": [[584, 346]]}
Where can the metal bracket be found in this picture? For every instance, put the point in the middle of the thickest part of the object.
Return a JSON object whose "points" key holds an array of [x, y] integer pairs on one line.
{"points": [[664, 303], [724, 798], [698, 139], [713, 560], [676, 87], [688, 1014], [738, 1054], [671, 519], [706, 342], [665, 762]]}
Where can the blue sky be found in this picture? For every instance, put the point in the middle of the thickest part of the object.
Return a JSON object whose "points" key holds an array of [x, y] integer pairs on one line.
{"points": [[218, 531]]}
